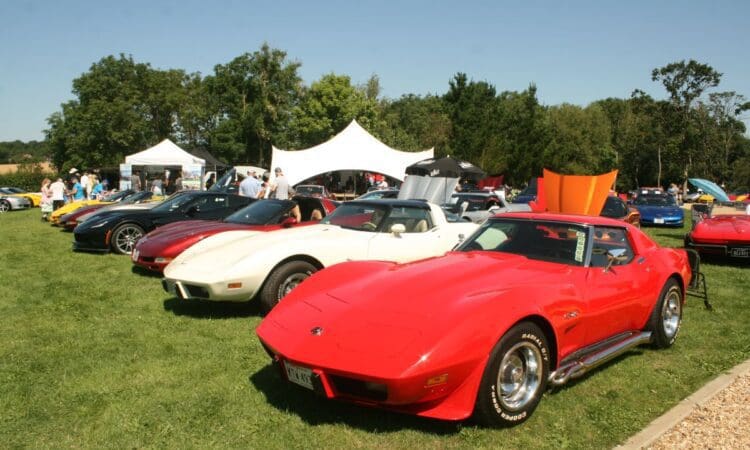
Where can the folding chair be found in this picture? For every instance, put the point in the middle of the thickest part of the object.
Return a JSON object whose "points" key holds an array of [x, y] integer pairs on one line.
{"points": [[697, 286]]}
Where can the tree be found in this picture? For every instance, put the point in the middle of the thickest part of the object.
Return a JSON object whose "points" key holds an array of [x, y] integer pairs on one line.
{"points": [[255, 94], [416, 123], [685, 83], [328, 106], [580, 140], [725, 108]]}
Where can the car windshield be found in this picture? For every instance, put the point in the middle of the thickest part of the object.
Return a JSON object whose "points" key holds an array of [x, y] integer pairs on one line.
{"points": [[117, 196], [309, 190], [137, 197], [655, 200], [261, 212], [475, 202], [615, 208], [357, 216], [175, 202], [548, 241], [16, 190]]}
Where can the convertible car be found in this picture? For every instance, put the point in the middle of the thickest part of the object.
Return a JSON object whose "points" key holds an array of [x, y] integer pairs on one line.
{"points": [[158, 248], [530, 300], [659, 209], [237, 265], [721, 235], [70, 220], [119, 230], [35, 198]]}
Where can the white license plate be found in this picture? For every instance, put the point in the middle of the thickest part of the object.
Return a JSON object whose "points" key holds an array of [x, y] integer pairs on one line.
{"points": [[658, 220], [299, 375], [740, 252], [135, 255]]}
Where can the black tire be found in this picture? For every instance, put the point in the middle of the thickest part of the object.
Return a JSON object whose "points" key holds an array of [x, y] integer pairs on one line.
{"points": [[4, 206], [522, 360], [124, 238], [666, 317], [282, 280]]}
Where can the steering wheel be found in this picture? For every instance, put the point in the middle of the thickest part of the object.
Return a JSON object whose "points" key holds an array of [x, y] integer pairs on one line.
{"points": [[368, 226]]}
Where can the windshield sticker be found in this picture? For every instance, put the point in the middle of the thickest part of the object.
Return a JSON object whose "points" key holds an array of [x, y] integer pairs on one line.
{"points": [[580, 245]]}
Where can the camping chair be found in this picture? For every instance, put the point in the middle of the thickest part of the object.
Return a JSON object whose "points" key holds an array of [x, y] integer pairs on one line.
{"points": [[697, 286]]}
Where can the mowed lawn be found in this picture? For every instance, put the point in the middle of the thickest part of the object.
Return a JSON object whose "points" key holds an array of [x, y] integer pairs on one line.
{"points": [[94, 355]]}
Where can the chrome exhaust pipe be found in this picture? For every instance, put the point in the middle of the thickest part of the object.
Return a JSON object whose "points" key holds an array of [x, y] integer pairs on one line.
{"points": [[580, 366]]}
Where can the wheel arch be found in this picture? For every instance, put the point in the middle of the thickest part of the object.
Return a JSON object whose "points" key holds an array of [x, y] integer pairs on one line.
{"points": [[549, 333], [298, 257]]}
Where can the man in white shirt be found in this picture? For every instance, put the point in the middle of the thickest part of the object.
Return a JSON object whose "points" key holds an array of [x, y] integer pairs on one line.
{"points": [[86, 183], [280, 189], [58, 193], [250, 186]]}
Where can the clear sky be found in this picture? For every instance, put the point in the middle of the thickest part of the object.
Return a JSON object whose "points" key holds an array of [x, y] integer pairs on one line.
{"points": [[575, 51]]}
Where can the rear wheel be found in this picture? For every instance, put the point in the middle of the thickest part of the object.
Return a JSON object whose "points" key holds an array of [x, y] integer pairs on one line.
{"points": [[4, 206], [281, 282], [124, 238], [515, 377], [666, 318]]}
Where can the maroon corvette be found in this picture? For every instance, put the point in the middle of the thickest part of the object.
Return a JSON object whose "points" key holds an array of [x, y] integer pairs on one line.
{"points": [[158, 248]]}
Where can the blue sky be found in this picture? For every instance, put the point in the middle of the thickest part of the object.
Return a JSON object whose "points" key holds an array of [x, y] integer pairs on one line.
{"points": [[575, 52]]}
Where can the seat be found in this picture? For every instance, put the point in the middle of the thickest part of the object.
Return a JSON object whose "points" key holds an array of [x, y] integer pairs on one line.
{"points": [[697, 285], [420, 226]]}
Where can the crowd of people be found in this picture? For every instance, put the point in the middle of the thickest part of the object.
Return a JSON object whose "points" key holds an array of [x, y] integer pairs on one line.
{"points": [[88, 186]]}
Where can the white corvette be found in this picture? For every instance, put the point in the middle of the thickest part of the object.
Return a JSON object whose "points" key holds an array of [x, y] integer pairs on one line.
{"points": [[238, 265]]}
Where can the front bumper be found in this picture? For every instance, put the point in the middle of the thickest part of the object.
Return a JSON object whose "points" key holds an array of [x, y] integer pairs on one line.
{"points": [[91, 242], [218, 291], [663, 221]]}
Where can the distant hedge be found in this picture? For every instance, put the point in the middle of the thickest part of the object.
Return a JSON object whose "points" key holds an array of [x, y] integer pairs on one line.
{"points": [[28, 177]]}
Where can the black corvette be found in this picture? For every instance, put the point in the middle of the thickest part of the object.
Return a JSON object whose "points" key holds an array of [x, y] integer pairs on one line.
{"points": [[119, 230]]}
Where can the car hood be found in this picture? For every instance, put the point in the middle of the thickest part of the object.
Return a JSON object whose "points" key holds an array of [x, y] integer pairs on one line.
{"points": [[179, 232], [365, 315], [659, 211], [735, 227]]}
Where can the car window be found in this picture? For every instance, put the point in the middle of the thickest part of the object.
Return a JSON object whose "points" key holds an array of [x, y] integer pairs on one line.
{"points": [[610, 240], [261, 212], [549, 241], [614, 207], [414, 220], [364, 217], [212, 202]]}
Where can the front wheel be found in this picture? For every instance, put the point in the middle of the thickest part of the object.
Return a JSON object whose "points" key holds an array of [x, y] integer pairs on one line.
{"points": [[4, 206], [124, 238], [281, 282], [515, 377], [666, 318]]}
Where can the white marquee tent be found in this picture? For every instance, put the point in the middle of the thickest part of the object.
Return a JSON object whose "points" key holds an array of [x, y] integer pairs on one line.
{"points": [[165, 153], [352, 149]]}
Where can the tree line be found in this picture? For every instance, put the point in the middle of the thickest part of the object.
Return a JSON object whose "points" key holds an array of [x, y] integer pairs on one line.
{"points": [[258, 99]]}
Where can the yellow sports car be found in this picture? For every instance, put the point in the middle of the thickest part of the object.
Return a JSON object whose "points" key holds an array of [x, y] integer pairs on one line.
{"points": [[113, 198], [34, 197]]}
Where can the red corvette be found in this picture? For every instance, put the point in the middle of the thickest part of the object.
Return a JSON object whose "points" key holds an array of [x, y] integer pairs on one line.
{"points": [[721, 235], [529, 300], [158, 248]]}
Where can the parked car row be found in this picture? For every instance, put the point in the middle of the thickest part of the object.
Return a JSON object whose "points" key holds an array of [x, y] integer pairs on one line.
{"points": [[390, 304]]}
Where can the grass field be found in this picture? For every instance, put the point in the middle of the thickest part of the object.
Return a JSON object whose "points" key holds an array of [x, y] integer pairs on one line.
{"points": [[94, 355]]}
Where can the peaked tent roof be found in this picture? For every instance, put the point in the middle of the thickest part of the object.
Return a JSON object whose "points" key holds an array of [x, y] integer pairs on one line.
{"points": [[165, 153], [352, 149]]}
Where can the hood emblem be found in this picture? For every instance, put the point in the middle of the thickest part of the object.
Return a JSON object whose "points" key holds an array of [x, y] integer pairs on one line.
{"points": [[317, 331]]}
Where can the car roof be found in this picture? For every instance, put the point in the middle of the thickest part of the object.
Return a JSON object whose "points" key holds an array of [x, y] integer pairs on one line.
{"points": [[559, 217], [392, 202]]}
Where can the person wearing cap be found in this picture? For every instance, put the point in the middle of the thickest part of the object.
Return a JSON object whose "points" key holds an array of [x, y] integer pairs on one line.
{"points": [[280, 189], [250, 186]]}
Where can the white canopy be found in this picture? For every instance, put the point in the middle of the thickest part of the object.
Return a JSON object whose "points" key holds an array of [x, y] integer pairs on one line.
{"points": [[165, 153], [352, 149]]}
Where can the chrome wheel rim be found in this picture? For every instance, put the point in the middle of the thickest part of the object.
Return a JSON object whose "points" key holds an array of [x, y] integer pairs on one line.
{"points": [[519, 376], [291, 282], [126, 239], [671, 311], [4, 206]]}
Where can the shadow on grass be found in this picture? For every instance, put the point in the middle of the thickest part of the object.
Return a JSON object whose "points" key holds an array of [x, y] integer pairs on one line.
{"points": [[725, 261], [138, 270], [204, 309], [315, 410]]}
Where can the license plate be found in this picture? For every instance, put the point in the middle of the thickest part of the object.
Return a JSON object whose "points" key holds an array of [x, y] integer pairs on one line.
{"points": [[299, 375], [658, 220], [740, 252], [135, 255]]}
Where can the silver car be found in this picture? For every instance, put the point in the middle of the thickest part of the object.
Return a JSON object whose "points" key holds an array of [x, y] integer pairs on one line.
{"points": [[8, 203]]}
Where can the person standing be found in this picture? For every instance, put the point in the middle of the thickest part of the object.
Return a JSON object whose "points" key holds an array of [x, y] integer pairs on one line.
{"points": [[280, 188], [135, 182], [46, 201], [78, 193], [97, 190], [58, 193], [250, 186], [86, 184]]}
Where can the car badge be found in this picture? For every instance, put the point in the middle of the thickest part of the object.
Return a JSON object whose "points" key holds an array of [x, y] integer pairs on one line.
{"points": [[317, 331]]}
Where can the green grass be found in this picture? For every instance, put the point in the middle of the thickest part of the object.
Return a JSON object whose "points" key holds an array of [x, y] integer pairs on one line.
{"points": [[93, 355]]}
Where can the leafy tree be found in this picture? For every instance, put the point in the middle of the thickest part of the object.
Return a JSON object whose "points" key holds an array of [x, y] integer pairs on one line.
{"points": [[416, 123], [725, 108], [256, 94], [581, 142], [328, 106]]}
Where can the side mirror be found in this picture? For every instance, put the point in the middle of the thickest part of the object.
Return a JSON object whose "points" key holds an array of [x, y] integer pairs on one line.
{"points": [[397, 229], [615, 255], [288, 222]]}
